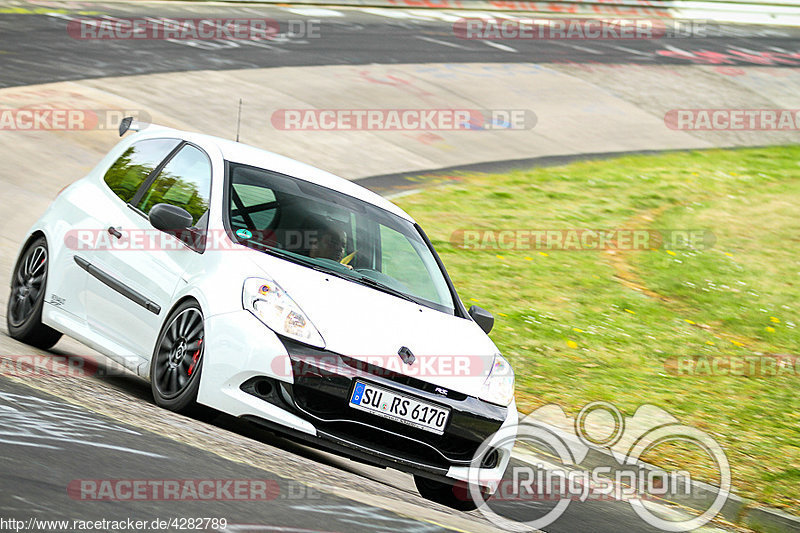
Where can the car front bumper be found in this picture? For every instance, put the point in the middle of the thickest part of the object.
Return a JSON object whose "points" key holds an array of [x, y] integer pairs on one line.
{"points": [[302, 391]]}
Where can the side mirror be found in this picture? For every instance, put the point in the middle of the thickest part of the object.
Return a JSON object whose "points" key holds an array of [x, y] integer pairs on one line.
{"points": [[482, 317], [170, 218]]}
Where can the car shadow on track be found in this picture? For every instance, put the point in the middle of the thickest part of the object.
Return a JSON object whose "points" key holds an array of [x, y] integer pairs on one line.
{"points": [[65, 357]]}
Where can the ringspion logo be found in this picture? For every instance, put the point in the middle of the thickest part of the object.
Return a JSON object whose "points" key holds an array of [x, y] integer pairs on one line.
{"points": [[563, 474]]}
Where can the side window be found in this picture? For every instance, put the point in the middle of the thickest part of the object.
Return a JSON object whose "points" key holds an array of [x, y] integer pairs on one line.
{"points": [[128, 172], [185, 182]]}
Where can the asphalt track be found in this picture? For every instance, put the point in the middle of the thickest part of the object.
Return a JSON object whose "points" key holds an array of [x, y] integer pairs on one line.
{"points": [[57, 429], [37, 49], [80, 445], [60, 429]]}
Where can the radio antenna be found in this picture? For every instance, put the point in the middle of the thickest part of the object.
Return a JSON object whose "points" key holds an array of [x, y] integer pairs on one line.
{"points": [[239, 120]]}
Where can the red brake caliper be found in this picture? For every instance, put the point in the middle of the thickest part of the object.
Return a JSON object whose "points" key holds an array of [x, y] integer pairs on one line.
{"points": [[195, 356]]}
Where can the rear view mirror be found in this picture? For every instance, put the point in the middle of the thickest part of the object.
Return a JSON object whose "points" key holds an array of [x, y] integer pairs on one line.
{"points": [[178, 222], [170, 218], [482, 317]]}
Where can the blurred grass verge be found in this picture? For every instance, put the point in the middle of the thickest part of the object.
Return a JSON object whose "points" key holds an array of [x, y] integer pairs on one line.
{"points": [[582, 326]]}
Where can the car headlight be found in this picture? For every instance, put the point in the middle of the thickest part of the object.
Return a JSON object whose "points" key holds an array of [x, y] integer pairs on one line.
{"points": [[499, 385], [275, 308]]}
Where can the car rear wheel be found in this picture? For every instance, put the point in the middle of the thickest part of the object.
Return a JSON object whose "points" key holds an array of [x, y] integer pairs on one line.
{"points": [[178, 358], [455, 495], [24, 310]]}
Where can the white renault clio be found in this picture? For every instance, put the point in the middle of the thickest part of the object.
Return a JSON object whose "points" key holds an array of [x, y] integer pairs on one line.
{"points": [[270, 290]]}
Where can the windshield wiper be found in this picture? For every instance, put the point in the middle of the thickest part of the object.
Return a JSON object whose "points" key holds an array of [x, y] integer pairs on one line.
{"points": [[299, 259], [364, 280]]}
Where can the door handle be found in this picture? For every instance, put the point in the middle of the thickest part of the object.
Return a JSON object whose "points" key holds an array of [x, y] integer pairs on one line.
{"points": [[115, 232]]}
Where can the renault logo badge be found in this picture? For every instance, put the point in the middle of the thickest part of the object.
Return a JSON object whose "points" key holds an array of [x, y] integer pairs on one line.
{"points": [[406, 355]]}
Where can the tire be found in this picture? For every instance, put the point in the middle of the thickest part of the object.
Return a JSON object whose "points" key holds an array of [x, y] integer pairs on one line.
{"points": [[25, 303], [455, 495], [178, 359]]}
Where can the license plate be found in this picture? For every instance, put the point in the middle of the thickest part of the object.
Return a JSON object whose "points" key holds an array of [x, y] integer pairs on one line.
{"points": [[399, 407]]}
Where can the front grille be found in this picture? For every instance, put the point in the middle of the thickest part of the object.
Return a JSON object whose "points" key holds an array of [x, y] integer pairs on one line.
{"points": [[321, 393], [333, 414]]}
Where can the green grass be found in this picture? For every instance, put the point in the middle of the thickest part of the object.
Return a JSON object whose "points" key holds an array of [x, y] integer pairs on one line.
{"points": [[576, 333]]}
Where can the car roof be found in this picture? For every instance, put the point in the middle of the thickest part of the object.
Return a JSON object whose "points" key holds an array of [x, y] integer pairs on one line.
{"points": [[237, 152]]}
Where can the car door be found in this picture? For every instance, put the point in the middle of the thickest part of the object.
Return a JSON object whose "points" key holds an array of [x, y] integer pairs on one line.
{"points": [[132, 281]]}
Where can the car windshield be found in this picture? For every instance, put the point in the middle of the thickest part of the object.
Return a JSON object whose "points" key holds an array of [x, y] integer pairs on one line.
{"points": [[323, 229]]}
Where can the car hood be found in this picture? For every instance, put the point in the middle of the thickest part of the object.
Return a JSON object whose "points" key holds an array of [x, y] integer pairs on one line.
{"points": [[372, 326]]}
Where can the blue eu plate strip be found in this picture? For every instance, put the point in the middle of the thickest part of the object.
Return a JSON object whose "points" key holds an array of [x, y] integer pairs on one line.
{"points": [[358, 393]]}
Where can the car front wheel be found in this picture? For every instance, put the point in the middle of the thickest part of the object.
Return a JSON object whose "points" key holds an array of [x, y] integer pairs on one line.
{"points": [[178, 358]]}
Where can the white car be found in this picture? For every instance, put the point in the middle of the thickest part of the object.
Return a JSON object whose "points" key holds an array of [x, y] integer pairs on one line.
{"points": [[273, 291]]}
